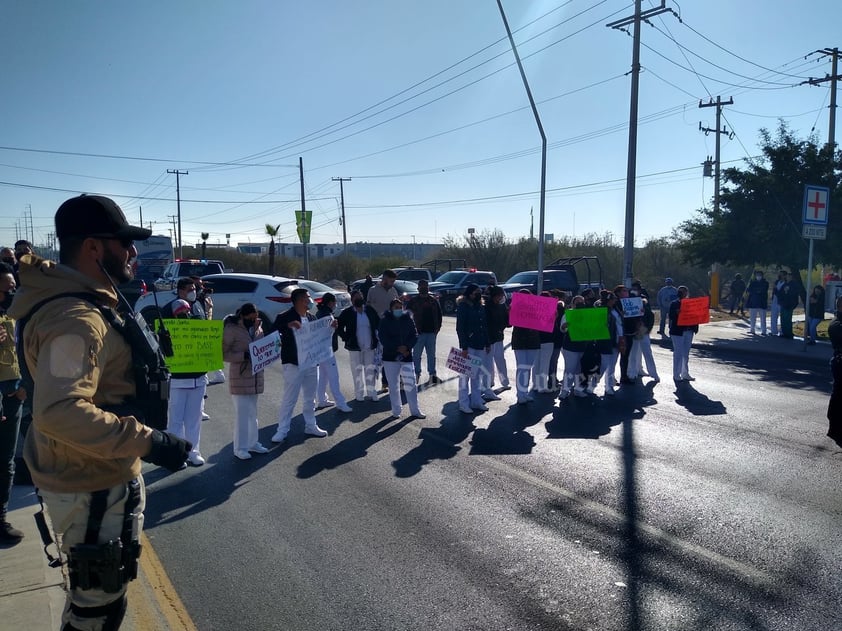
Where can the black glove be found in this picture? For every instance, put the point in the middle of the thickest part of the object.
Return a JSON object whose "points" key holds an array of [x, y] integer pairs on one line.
{"points": [[168, 451]]}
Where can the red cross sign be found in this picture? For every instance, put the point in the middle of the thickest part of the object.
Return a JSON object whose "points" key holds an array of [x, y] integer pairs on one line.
{"points": [[816, 204]]}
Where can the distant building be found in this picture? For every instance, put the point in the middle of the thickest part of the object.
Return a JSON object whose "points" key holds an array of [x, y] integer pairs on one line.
{"points": [[364, 250]]}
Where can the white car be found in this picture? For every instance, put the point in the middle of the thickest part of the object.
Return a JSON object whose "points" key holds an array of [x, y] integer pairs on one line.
{"points": [[270, 294]]}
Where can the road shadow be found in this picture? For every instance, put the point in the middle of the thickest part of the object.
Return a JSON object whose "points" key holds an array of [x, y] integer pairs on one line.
{"points": [[352, 448], [695, 402], [593, 417], [437, 443], [506, 434], [808, 373]]}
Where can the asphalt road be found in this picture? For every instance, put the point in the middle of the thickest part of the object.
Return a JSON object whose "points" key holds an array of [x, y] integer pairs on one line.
{"points": [[715, 506]]}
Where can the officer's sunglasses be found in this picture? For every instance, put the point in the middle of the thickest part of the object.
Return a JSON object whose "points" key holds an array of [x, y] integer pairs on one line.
{"points": [[124, 241]]}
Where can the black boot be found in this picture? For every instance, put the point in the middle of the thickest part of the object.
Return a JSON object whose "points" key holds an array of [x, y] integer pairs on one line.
{"points": [[8, 533]]}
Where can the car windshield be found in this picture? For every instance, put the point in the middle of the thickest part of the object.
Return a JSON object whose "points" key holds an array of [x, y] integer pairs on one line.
{"points": [[406, 286], [523, 278], [451, 277]]}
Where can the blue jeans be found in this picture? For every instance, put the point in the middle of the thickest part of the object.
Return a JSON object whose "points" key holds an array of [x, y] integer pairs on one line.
{"points": [[427, 343]]}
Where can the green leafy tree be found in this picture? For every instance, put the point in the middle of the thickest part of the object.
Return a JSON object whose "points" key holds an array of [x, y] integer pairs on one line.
{"points": [[760, 216]]}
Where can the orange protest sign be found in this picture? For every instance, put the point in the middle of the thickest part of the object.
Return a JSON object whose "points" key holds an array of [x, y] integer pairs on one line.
{"points": [[694, 311]]}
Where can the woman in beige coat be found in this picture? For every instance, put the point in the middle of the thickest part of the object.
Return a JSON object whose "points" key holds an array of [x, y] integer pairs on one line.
{"points": [[239, 330]]}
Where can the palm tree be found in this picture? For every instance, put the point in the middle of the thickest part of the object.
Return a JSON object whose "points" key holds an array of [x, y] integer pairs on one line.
{"points": [[272, 231], [205, 236]]}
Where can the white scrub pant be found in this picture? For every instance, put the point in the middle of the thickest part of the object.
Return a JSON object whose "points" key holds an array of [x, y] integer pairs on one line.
{"points": [[526, 363], [329, 376], [681, 355], [497, 357], [752, 315], [572, 369], [185, 409], [245, 426], [364, 372], [542, 368], [470, 386], [298, 381], [402, 375], [607, 366], [642, 351]]}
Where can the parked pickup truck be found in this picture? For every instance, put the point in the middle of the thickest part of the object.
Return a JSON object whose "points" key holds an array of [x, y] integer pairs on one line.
{"points": [[452, 284], [186, 267]]}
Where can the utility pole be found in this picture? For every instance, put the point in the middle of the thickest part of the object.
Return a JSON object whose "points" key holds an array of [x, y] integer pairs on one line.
{"points": [[543, 148], [178, 173], [631, 171], [304, 215], [719, 132], [173, 229], [833, 77], [342, 201]]}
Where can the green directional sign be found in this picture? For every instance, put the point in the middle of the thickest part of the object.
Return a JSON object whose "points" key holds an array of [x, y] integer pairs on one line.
{"points": [[303, 221]]}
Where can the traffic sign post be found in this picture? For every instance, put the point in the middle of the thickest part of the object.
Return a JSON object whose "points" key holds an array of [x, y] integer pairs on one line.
{"points": [[814, 218]]}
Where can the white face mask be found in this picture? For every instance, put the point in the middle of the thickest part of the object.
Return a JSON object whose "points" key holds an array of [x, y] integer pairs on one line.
{"points": [[191, 296], [397, 312]]}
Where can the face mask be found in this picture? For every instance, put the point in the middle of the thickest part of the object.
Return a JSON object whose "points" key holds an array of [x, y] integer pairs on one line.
{"points": [[191, 296], [7, 300], [358, 302], [757, 277], [397, 312]]}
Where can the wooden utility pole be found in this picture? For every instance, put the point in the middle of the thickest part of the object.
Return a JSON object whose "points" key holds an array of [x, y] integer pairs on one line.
{"points": [[178, 173], [342, 202]]}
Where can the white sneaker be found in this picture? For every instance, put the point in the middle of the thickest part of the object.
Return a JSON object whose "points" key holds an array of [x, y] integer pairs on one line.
{"points": [[564, 394], [257, 448], [315, 430], [242, 454], [279, 437], [371, 398], [205, 416], [481, 408], [490, 395], [195, 458], [465, 409], [344, 408], [419, 415], [324, 404]]}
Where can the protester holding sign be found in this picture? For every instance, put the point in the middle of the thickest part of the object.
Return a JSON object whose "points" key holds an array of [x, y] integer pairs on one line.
{"points": [[472, 331], [328, 371], [526, 343], [610, 349], [398, 336], [572, 351], [497, 317], [187, 389], [239, 330], [642, 349], [296, 380], [682, 339]]}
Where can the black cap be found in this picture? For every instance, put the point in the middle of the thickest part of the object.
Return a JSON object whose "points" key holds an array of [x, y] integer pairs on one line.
{"points": [[95, 216]]}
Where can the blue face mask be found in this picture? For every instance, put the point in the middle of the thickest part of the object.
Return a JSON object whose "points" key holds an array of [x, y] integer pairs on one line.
{"points": [[397, 312]]}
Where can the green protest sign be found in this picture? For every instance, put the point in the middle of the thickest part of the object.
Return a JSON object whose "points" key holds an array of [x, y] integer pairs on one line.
{"points": [[587, 324], [197, 345]]}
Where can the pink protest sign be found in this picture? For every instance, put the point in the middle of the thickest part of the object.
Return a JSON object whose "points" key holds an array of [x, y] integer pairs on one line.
{"points": [[533, 312]]}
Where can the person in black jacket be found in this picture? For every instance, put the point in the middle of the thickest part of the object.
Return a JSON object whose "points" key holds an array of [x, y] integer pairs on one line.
{"points": [[815, 313], [787, 301], [572, 352], [358, 329], [526, 343], [757, 301], [398, 336], [426, 312], [472, 331], [497, 318], [296, 380]]}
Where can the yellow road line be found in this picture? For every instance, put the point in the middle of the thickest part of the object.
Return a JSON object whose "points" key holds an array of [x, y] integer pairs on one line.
{"points": [[153, 602]]}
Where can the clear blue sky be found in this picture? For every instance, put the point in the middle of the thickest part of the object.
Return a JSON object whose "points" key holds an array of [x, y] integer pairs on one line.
{"points": [[416, 101]]}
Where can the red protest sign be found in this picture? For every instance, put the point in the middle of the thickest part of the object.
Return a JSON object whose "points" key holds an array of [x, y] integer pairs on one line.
{"points": [[694, 311]]}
